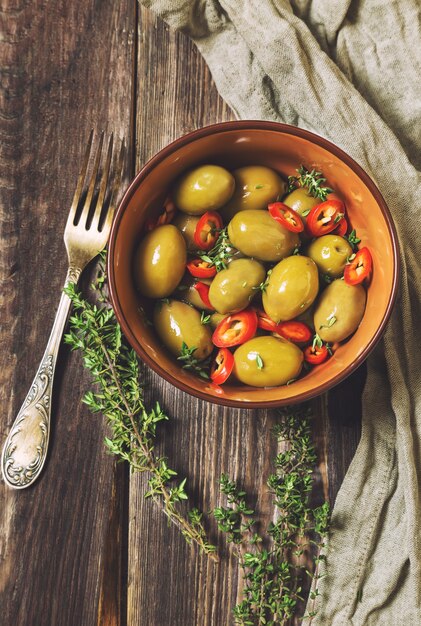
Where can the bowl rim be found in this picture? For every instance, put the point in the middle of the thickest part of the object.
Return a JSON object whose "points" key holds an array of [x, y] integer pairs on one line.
{"points": [[221, 127]]}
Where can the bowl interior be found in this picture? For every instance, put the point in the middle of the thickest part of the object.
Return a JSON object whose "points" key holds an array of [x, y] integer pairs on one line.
{"points": [[284, 149]]}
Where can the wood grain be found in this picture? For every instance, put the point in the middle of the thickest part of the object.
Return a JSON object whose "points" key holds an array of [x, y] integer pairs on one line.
{"points": [[83, 546], [66, 67]]}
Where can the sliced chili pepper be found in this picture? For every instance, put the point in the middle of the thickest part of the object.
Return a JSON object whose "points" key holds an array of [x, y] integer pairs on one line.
{"points": [[294, 331], [341, 228], [235, 329], [286, 216], [316, 354], [207, 230], [201, 269], [324, 217], [203, 290], [165, 217], [264, 322], [359, 268], [222, 366]]}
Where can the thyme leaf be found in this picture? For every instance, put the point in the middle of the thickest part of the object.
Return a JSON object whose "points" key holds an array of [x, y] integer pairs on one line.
{"points": [[221, 253], [312, 180], [275, 563], [190, 362], [118, 395]]}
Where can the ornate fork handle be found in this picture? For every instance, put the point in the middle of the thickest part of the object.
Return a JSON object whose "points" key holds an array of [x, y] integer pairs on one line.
{"points": [[25, 449]]}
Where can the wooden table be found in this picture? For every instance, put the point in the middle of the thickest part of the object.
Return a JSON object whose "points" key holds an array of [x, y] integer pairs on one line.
{"points": [[82, 547]]}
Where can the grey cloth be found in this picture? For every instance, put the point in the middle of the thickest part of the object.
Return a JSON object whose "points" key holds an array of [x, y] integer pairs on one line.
{"points": [[350, 71]]}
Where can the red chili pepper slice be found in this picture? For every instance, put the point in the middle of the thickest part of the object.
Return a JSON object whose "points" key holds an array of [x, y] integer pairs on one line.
{"points": [[341, 228], [264, 322], [165, 217], [324, 217], [201, 269], [203, 290], [235, 329], [222, 366], [286, 216], [315, 354], [207, 230], [294, 331], [359, 268]]}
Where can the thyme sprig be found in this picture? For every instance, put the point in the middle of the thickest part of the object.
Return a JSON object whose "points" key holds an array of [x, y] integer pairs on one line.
{"points": [[190, 362], [275, 566], [312, 180], [221, 253], [119, 397]]}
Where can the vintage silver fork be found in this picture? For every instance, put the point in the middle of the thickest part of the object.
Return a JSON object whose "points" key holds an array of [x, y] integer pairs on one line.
{"points": [[86, 234]]}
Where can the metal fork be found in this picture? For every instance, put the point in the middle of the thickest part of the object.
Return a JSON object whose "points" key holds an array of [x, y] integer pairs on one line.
{"points": [[86, 234]]}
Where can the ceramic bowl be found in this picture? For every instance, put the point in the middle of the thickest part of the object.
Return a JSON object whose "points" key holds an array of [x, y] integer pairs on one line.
{"points": [[283, 148]]}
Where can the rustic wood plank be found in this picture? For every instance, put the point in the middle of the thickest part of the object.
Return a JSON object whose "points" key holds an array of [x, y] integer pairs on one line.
{"points": [[170, 583], [65, 67]]}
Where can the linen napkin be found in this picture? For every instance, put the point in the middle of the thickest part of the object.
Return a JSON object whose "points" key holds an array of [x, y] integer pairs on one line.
{"points": [[351, 72]]}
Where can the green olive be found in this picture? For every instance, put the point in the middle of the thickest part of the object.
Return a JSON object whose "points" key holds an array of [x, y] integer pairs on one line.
{"points": [[267, 361], [206, 188], [292, 287], [301, 201], [177, 323], [216, 318], [330, 254], [187, 292], [256, 234], [255, 187], [187, 225], [339, 310], [160, 261], [232, 289]]}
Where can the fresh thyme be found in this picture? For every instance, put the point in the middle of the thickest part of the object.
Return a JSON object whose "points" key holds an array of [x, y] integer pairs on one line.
{"points": [[264, 284], [259, 362], [332, 320], [353, 240], [221, 253], [313, 181], [190, 362], [119, 397], [275, 567], [204, 318], [319, 343]]}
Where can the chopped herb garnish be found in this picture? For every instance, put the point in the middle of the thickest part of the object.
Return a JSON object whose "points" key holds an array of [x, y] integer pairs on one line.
{"points": [[296, 250], [264, 283], [259, 362], [351, 257], [221, 253], [305, 212], [205, 319], [326, 278], [191, 363], [332, 320], [313, 181], [353, 239], [259, 186]]}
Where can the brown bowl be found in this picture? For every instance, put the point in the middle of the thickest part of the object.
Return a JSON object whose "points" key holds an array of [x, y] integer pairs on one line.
{"points": [[283, 148]]}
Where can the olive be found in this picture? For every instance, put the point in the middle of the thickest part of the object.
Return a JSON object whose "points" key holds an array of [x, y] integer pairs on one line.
{"points": [[255, 187], [186, 291], [216, 318], [256, 234], [232, 289], [267, 361], [206, 188], [330, 254], [301, 201], [160, 261], [187, 225], [177, 323], [339, 310], [292, 287]]}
